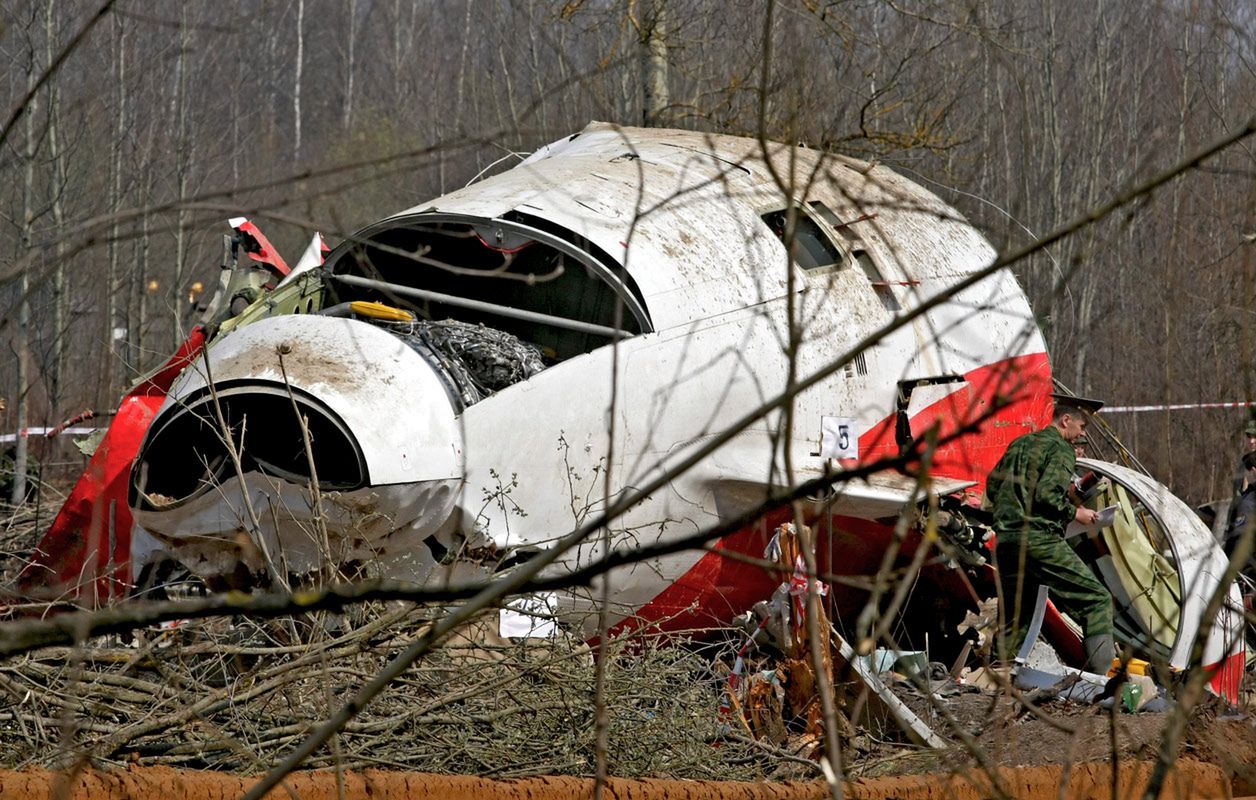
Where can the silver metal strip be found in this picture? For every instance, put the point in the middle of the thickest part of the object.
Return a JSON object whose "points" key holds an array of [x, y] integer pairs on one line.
{"points": [[478, 305]]}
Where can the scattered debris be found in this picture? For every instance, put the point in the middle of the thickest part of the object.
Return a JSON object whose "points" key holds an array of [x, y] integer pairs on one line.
{"points": [[786, 696], [783, 699]]}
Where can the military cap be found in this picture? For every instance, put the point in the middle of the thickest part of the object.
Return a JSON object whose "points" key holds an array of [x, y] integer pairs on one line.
{"points": [[1083, 403], [1250, 430]]}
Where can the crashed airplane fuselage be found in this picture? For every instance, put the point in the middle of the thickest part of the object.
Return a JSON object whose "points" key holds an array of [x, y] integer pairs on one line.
{"points": [[458, 385]]}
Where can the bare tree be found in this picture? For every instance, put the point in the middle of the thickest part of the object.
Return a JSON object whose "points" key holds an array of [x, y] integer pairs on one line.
{"points": [[182, 165], [296, 80], [351, 17], [654, 73], [22, 335], [60, 299]]}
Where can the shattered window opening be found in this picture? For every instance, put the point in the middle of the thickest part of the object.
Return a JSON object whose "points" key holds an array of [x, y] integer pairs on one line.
{"points": [[882, 287], [496, 275], [825, 213]]}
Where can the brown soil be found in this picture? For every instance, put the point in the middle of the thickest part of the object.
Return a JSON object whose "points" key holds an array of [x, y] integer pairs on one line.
{"points": [[1093, 781], [1064, 733]]}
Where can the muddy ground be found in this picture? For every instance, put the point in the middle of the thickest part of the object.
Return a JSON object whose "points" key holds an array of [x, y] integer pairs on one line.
{"points": [[1085, 782], [515, 711], [1061, 733]]}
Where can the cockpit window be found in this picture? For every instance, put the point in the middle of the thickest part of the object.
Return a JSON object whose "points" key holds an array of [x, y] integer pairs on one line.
{"points": [[548, 291], [812, 247], [825, 213]]}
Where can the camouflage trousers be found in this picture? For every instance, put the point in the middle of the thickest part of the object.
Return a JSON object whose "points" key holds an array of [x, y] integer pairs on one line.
{"points": [[1030, 559]]}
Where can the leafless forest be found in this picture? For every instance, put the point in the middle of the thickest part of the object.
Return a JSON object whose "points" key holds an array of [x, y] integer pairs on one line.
{"points": [[132, 130]]}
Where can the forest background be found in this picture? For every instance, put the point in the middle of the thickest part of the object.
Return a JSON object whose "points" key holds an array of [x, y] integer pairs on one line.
{"points": [[159, 120]]}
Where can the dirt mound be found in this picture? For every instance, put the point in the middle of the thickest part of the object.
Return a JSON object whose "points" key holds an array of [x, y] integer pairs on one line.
{"points": [[1227, 743], [1091, 781]]}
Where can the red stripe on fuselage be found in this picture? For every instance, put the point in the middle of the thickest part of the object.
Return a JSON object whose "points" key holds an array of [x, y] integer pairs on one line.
{"points": [[1014, 394], [1228, 679]]}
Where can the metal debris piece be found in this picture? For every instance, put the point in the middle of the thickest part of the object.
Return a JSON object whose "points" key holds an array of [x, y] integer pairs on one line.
{"points": [[911, 724], [783, 617], [1035, 626]]}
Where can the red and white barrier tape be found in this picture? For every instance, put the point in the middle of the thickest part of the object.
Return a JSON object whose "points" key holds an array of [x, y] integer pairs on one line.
{"points": [[1176, 407], [26, 433]]}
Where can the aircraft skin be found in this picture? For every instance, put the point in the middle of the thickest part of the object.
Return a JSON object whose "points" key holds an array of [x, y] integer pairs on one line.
{"points": [[650, 269]]}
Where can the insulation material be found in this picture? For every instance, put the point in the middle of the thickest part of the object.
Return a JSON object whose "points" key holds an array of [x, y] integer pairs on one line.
{"points": [[1147, 577], [490, 358]]}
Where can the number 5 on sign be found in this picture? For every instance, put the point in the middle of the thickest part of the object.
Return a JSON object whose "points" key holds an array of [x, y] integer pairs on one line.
{"points": [[838, 438]]}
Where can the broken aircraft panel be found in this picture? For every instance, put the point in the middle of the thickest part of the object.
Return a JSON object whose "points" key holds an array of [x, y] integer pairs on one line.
{"points": [[470, 370]]}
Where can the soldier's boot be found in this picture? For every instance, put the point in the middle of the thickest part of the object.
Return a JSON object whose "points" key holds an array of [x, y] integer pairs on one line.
{"points": [[1100, 651]]}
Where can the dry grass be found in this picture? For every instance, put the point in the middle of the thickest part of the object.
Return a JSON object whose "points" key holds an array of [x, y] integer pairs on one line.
{"points": [[236, 696]]}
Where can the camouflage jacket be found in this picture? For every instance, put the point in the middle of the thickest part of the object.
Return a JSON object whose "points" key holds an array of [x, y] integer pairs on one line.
{"points": [[1028, 488]]}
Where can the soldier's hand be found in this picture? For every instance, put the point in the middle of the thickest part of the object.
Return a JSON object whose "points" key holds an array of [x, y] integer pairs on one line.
{"points": [[1086, 516]]}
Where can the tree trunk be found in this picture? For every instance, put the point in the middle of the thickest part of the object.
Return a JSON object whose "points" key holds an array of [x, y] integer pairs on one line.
{"points": [[115, 205], [296, 93], [654, 65], [59, 301], [233, 108], [351, 8], [534, 54], [181, 179], [510, 90], [141, 315], [459, 94], [21, 337], [1100, 125]]}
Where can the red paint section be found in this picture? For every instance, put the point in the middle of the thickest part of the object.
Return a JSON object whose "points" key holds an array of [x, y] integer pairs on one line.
{"points": [[717, 588], [1062, 637], [264, 252], [1228, 679], [85, 556], [1000, 402]]}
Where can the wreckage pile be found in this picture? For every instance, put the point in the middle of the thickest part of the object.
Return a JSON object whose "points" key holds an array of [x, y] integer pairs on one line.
{"points": [[237, 695], [479, 359]]}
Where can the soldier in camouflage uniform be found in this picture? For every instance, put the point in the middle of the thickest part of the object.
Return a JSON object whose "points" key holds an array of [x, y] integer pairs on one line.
{"points": [[1028, 491]]}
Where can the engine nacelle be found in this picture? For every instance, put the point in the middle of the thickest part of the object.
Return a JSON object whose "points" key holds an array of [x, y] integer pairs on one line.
{"points": [[287, 411]]}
